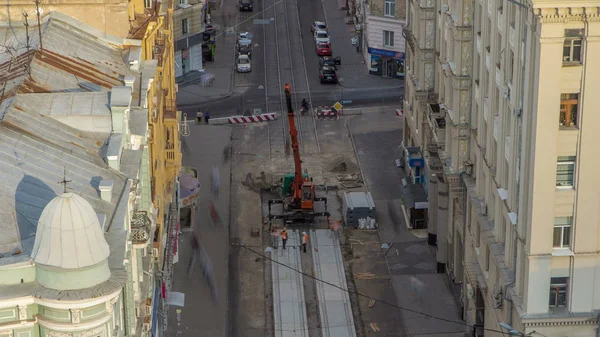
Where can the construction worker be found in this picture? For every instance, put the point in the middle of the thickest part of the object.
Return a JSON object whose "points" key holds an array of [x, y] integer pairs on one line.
{"points": [[304, 241], [284, 237]]}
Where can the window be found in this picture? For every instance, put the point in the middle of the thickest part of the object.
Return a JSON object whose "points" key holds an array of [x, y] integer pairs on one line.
{"points": [[388, 38], [558, 291], [565, 171], [562, 232], [390, 8], [568, 110], [572, 46], [182, 2], [184, 26]]}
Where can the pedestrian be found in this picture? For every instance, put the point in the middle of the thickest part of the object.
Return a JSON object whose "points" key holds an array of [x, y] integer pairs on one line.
{"points": [[206, 116], [304, 241], [195, 248], [275, 237], [284, 237], [199, 115]]}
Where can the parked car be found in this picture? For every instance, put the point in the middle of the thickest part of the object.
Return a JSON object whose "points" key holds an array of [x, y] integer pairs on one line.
{"points": [[244, 36], [329, 61], [244, 46], [243, 64], [324, 49], [328, 75], [318, 25], [321, 36], [246, 5]]}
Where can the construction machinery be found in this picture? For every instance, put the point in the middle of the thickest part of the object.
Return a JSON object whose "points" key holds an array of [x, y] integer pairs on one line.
{"points": [[298, 189]]}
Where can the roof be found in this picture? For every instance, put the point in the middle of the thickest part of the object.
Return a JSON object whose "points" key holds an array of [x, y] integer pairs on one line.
{"points": [[74, 58], [69, 235], [88, 111], [35, 152]]}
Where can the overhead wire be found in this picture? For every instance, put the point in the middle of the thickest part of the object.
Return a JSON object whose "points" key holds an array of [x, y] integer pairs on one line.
{"points": [[370, 297]]}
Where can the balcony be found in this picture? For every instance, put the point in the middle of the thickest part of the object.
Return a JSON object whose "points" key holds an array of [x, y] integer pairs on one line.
{"points": [[170, 151], [486, 108], [170, 109], [478, 38], [498, 75], [487, 57], [496, 127], [140, 227], [507, 147], [512, 37], [439, 131]]}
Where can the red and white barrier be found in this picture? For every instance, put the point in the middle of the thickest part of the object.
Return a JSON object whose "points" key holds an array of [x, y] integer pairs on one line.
{"points": [[326, 113], [400, 112], [252, 119]]}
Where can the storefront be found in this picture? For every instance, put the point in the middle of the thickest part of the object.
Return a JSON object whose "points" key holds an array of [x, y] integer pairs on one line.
{"points": [[386, 63]]}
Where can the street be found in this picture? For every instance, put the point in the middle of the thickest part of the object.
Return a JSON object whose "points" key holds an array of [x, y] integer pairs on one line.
{"points": [[362, 144]]}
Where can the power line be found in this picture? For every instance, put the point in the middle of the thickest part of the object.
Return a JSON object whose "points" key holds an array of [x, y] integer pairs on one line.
{"points": [[367, 296]]}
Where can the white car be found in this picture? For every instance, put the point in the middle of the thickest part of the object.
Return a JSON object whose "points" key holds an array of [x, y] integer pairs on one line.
{"points": [[321, 36], [318, 25], [243, 64]]}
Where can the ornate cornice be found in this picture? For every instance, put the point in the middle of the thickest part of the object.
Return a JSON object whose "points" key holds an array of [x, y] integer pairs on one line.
{"points": [[561, 15], [561, 322]]}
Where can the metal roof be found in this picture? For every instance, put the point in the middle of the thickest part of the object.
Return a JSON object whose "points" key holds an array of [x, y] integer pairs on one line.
{"points": [[34, 152], [73, 59]]}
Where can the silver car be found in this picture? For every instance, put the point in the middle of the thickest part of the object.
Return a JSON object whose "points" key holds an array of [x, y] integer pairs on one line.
{"points": [[243, 64], [321, 36]]}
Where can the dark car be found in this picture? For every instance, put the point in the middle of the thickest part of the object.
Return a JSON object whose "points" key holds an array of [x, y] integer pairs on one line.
{"points": [[332, 62], [327, 74], [246, 5]]}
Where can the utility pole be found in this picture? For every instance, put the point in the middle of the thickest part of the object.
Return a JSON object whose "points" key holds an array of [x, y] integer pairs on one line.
{"points": [[37, 11], [26, 24]]}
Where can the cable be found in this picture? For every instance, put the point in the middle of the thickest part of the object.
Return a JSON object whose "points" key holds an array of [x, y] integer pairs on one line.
{"points": [[367, 296]]}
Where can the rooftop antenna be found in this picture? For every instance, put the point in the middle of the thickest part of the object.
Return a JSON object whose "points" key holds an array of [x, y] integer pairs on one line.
{"points": [[64, 182], [37, 11], [26, 24]]}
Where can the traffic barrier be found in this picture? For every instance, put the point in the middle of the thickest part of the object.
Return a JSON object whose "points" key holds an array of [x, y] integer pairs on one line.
{"points": [[253, 119], [400, 112], [326, 113]]}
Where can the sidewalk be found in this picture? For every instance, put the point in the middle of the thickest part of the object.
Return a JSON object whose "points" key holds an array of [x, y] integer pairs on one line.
{"points": [[200, 316], [353, 70], [410, 261], [191, 90]]}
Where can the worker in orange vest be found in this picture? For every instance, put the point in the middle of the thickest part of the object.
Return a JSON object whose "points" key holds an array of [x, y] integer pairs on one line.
{"points": [[284, 237], [304, 241]]}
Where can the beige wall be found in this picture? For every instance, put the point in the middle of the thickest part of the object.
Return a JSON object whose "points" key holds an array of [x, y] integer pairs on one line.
{"points": [[194, 16], [108, 16]]}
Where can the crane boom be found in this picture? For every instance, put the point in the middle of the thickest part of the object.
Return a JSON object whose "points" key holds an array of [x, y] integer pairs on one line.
{"points": [[298, 178]]}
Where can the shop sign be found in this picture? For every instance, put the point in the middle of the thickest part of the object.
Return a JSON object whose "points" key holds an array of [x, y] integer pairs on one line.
{"points": [[386, 53]]}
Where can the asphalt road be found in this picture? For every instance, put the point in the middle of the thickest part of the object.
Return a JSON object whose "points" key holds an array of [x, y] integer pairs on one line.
{"points": [[284, 52]]}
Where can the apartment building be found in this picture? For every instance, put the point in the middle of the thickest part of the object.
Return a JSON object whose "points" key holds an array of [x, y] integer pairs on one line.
{"points": [[190, 18], [380, 24], [499, 100]]}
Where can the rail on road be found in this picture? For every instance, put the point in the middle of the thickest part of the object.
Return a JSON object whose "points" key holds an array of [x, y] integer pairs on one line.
{"points": [[289, 306], [334, 303]]}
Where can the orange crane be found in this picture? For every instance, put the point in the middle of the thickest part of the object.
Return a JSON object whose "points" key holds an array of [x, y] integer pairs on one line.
{"points": [[300, 205]]}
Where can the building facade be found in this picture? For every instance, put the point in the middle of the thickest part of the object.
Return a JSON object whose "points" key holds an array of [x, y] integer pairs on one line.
{"points": [[498, 100], [380, 36], [190, 19]]}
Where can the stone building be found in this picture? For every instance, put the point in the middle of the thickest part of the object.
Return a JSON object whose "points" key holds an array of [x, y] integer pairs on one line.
{"points": [[499, 99]]}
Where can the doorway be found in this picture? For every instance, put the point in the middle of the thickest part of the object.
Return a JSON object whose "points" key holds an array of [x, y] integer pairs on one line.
{"points": [[388, 68]]}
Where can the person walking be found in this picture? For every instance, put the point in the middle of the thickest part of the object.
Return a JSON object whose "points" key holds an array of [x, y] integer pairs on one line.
{"points": [[206, 116], [304, 241], [275, 237], [284, 237], [195, 248]]}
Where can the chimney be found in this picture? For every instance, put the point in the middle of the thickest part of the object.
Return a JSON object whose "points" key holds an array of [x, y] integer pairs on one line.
{"points": [[106, 187], [120, 100], [129, 81]]}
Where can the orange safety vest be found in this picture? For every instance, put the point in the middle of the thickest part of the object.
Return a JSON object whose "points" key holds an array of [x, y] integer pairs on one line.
{"points": [[305, 238], [284, 235]]}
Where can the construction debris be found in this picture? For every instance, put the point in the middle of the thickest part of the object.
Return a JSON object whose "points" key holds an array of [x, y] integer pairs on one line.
{"points": [[371, 303], [364, 276], [374, 326], [340, 164]]}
